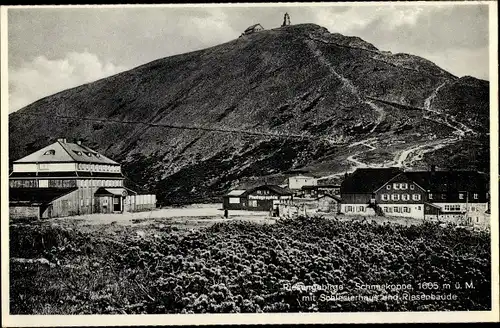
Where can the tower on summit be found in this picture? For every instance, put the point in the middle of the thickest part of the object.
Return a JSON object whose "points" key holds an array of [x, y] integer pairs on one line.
{"points": [[286, 20]]}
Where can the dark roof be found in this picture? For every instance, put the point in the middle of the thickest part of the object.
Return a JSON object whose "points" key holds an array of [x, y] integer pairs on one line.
{"points": [[337, 198], [274, 188], [367, 180], [449, 181], [36, 196], [122, 191], [321, 186]]}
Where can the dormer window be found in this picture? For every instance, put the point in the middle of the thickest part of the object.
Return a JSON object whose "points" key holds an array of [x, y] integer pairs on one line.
{"points": [[79, 153], [50, 152], [97, 155], [89, 154]]}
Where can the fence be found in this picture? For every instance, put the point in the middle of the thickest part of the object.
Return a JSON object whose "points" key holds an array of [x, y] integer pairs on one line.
{"points": [[137, 203]]}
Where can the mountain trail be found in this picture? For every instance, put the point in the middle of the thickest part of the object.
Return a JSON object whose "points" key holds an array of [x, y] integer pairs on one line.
{"points": [[323, 61]]}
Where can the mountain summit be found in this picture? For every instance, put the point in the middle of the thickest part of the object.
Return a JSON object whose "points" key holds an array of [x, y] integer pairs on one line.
{"points": [[191, 126]]}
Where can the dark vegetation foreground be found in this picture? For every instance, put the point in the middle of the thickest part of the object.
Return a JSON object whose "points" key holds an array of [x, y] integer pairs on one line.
{"points": [[246, 267]]}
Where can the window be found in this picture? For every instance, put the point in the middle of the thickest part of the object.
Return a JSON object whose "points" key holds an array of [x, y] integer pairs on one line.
{"points": [[234, 200], [252, 203], [388, 187], [50, 152], [116, 200], [79, 153], [389, 210], [89, 154], [43, 183], [443, 196], [385, 197], [416, 197], [452, 207], [396, 186], [395, 197], [105, 201], [88, 202], [348, 209], [460, 196], [477, 219], [396, 209], [419, 207], [412, 187], [404, 186], [476, 196], [405, 197], [43, 166], [81, 202], [360, 209], [430, 196], [473, 208], [385, 209]]}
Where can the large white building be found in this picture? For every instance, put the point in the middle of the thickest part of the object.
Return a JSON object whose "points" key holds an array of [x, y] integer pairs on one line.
{"points": [[67, 178]]}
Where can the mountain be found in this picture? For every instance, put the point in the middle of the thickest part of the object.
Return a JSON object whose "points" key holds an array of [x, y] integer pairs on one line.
{"points": [[191, 126]]}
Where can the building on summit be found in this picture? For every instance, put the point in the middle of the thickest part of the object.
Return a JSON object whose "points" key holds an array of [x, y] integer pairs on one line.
{"points": [[64, 179], [252, 29]]}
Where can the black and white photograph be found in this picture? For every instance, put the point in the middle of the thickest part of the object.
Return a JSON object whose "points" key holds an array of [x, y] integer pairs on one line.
{"points": [[254, 161]]}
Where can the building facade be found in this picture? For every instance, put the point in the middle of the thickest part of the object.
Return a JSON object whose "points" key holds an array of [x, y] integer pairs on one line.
{"points": [[78, 179], [452, 196], [261, 198], [296, 183]]}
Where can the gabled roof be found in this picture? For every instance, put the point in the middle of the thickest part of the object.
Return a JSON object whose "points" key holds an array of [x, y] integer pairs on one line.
{"points": [[66, 152], [337, 198], [36, 196], [117, 191], [449, 181], [250, 28], [367, 180], [236, 192]]}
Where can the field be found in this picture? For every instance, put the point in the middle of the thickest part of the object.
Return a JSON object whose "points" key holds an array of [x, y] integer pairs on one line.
{"points": [[194, 264]]}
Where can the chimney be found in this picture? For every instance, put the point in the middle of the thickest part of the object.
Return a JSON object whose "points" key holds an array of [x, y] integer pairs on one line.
{"points": [[62, 140]]}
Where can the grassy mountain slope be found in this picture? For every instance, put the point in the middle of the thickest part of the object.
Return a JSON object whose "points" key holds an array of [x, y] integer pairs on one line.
{"points": [[282, 83]]}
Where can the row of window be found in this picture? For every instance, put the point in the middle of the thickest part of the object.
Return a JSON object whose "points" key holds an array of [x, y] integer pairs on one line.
{"points": [[452, 207], [400, 209], [100, 183], [98, 167], [87, 167], [350, 208], [460, 196], [415, 197], [262, 192], [400, 186], [387, 209]]}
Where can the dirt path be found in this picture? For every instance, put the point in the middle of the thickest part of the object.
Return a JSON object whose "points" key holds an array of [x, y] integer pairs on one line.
{"points": [[381, 114]]}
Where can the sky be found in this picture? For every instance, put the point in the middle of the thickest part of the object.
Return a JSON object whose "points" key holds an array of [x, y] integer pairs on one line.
{"points": [[53, 49]]}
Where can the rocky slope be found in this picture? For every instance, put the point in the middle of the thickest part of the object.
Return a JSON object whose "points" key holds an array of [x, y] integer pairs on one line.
{"points": [[191, 126]]}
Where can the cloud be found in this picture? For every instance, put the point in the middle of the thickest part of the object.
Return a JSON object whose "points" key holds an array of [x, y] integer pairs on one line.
{"points": [[42, 76]]}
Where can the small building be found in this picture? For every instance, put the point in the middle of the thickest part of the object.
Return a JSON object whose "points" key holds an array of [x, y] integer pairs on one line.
{"points": [[261, 198], [235, 200], [319, 190], [252, 29], [309, 206], [296, 183], [65, 178]]}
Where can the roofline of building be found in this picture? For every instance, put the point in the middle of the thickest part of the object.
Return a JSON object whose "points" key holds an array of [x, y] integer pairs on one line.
{"points": [[391, 179], [63, 162]]}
